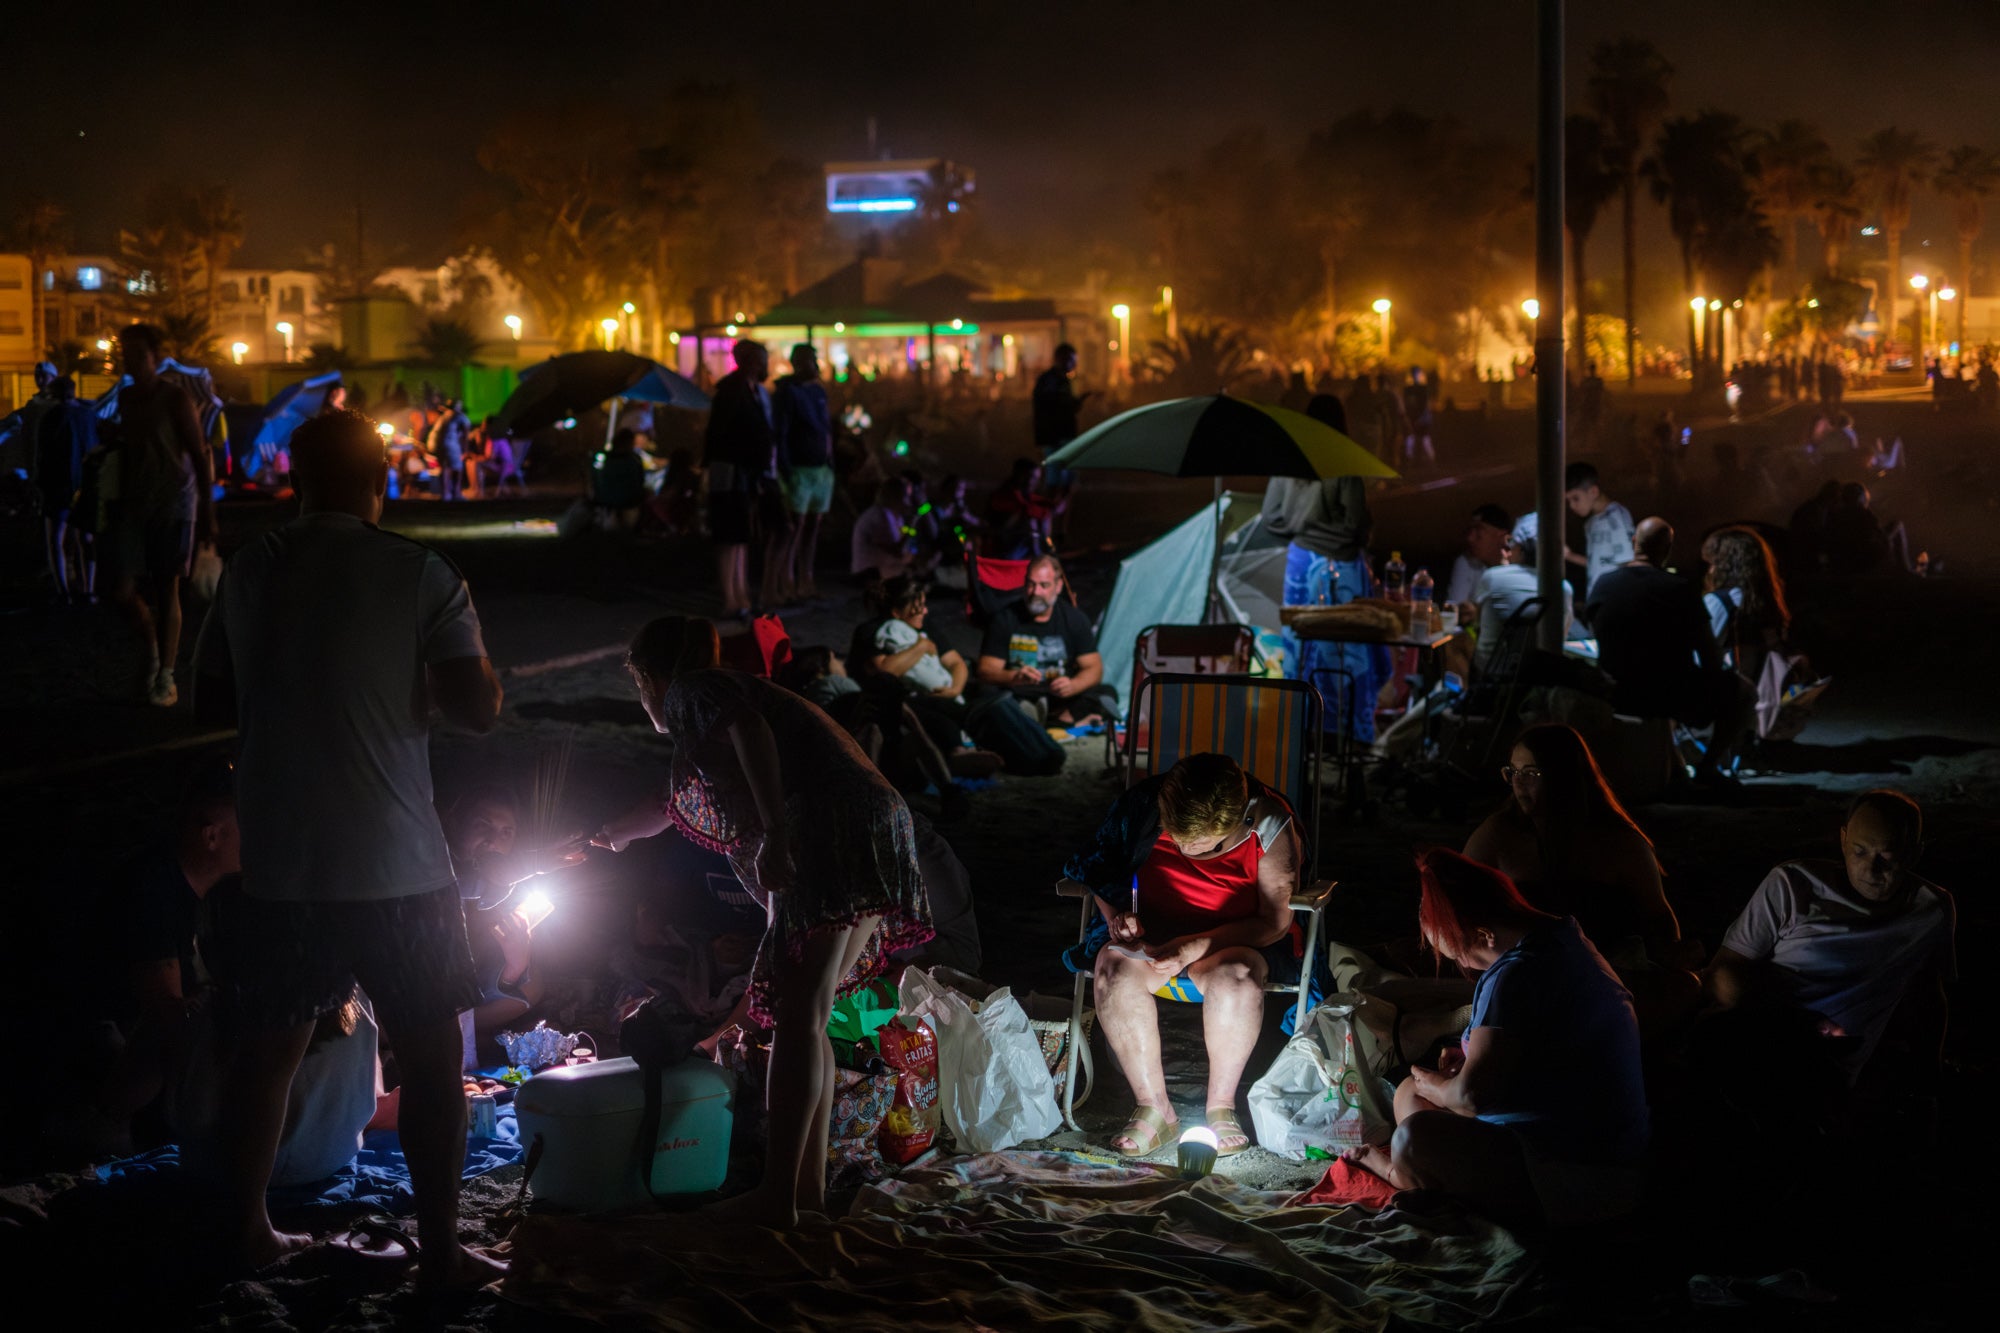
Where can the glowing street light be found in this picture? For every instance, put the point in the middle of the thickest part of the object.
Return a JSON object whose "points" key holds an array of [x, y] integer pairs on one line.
{"points": [[1123, 314], [1920, 282], [285, 327], [385, 430], [610, 327], [513, 323], [1531, 308], [629, 307], [1382, 305], [236, 351], [839, 327]]}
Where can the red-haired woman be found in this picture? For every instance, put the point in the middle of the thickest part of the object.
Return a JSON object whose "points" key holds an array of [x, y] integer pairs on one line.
{"points": [[1541, 1115]]}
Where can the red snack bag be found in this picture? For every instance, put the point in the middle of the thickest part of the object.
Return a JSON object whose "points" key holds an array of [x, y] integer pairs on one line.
{"points": [[912, 1122]]}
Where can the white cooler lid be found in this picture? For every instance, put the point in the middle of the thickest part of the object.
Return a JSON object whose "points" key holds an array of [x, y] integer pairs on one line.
{"points": [[602, 1087]]}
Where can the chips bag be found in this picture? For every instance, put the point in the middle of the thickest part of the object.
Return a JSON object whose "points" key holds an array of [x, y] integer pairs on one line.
{"points": [[911, 1125]]}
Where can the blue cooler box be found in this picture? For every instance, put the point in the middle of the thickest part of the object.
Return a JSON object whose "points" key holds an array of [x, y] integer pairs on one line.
{"points": [[588, 1118]]}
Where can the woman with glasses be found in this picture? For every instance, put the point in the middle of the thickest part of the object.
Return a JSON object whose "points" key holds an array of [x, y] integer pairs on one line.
{"points": [[1567, 843]]}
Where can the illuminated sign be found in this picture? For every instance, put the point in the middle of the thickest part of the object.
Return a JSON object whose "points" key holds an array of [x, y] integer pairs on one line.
{"points": [[881, 187]]}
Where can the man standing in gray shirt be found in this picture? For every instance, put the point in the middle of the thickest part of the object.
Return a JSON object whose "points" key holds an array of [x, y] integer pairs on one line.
{"points": [[328, 643]]}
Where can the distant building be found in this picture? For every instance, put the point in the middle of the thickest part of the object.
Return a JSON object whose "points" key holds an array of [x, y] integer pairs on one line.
{"points": [[886, 187]]}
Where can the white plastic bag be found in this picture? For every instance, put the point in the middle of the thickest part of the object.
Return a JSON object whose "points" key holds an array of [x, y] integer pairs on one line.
{"points": [[993, 1082], [1319, 1093]]}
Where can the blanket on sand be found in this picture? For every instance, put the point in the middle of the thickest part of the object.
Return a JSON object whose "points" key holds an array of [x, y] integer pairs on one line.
{"points": [[1021, 1239]]}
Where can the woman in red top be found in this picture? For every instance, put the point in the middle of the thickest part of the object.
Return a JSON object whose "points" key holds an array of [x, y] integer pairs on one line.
{"points": [[1211, 894]]}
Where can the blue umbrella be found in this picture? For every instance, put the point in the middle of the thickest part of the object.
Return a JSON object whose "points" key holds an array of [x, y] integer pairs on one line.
{"points": [[660, 385], [199, 384], [292, 407]]}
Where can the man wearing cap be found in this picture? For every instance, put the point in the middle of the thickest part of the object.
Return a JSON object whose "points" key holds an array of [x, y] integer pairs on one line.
{"points": [[1509, 586]]}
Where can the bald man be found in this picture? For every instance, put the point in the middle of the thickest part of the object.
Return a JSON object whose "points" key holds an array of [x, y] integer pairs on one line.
{"points": [[1654, 641]]}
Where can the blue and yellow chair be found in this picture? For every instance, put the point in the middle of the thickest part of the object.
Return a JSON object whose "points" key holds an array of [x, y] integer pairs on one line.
{"points": [[1273, 729]]}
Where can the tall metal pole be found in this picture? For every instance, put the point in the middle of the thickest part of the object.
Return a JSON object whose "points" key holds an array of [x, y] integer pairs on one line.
{"points": [[1549, 328]]}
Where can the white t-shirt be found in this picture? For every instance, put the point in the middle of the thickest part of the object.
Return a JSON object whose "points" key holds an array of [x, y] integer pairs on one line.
{"points": [[1846, 958], [1502, 590], [1465, 572], [326, 626], [1607, 542], [929, 675]]}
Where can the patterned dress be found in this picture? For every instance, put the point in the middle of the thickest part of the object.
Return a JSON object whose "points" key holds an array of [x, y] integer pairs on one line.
{"points": [[853, 848]]}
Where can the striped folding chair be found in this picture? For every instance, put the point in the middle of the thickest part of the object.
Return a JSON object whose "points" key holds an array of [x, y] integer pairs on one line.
{"points": [[1273, 729], [1158, 649]]}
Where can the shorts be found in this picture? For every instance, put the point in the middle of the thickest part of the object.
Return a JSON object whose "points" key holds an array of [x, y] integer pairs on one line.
{"points": [[160, 545], [297, 961], [808, 490], [1281, 963], [729, 518]]}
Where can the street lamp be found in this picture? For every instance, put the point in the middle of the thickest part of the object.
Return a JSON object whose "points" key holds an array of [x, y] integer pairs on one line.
{"points": [[1167, 309], [285, 327], [1123, 314], [1382, 308], [236, 351], [1922, 283], [610, 327], [513, 323], [1944, 294], [1531, 308]]}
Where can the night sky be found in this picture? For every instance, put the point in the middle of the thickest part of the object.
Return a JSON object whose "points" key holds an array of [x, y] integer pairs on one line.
{"points": [[1062, 110]]}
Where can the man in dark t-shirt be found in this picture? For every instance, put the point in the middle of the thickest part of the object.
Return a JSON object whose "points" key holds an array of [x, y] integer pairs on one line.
{"points": [[1043, 648], [1654, 641]]}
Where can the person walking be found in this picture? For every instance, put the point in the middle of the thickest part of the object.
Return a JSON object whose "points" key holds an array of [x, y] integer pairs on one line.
{"points": [[161, 505], [803, 423], [327, 646], [63, 435], [1057, 406]]}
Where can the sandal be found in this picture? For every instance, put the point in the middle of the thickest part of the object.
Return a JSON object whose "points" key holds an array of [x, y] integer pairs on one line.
{"points": [[1145, 1131], [376, 1237], [1222, 1123]]}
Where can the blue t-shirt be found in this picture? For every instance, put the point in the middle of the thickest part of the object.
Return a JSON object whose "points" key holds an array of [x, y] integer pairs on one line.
{"points": [[802, 422], [1577, 1091]]}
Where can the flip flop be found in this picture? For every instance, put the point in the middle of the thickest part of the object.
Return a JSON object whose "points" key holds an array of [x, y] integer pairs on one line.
{"points": [[1222, 1123], [376, 1237], [1146, 1131]]}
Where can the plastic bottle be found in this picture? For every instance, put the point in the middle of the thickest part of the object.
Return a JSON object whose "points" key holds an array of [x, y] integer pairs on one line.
{"points": [[1392, 578], [1422, 604]]}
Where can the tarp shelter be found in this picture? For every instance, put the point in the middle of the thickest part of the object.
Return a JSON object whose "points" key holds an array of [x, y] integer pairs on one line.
{"points": [[1166, 583], [291, 407]]}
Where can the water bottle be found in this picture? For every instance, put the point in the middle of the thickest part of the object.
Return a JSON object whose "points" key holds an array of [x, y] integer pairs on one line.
{"points": [[1422, 606], [1392, 578]]}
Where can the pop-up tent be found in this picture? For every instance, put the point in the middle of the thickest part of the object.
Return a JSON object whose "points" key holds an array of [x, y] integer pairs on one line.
{"points": [[1166, 583]]}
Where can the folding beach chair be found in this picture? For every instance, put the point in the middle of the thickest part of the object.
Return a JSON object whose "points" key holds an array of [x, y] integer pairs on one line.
{"points": [[762, 649], [1272, 728], [1203, 650], [991, 585], [1493, 695]]}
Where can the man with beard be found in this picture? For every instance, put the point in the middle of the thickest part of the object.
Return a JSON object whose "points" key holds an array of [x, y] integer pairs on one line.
{"points": [[1042, 649]]}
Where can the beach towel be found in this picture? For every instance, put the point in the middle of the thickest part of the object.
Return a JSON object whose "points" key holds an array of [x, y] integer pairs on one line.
{"points": [[1037, 1239]]}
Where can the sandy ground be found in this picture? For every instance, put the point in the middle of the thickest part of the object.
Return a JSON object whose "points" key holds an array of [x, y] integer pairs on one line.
{"points": [[85, 779]]}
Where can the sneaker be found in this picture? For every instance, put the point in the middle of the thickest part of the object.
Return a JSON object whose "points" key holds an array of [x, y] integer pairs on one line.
{"points": [[163, 694]]}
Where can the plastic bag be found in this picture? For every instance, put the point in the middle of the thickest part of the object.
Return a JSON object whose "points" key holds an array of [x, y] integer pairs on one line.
{"points": [[1319, 1093], [911, 1123], [859, 1103], [993, 1084], [206, 574], [858, 1016]]}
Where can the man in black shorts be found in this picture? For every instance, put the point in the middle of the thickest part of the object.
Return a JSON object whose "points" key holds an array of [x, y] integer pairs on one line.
{"points": [[740, 457], [313, 651]]}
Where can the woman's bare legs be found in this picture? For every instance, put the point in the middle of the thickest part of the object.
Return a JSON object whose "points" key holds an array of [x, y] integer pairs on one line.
{"points": [[798, 1092], [810, 1192]]}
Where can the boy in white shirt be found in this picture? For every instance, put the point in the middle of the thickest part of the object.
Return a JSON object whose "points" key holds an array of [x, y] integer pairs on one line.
{"points": [[1607, 525]]}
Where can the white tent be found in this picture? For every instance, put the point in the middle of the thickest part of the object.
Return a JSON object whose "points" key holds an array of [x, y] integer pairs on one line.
{"points": [[1166, 583]]}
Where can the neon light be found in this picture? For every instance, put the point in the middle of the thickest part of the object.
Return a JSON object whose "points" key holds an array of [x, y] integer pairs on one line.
{"points": [[873, 206]]}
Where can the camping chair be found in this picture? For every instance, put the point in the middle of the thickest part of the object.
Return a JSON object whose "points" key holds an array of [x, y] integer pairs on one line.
{"points": [[991, 585], [761, 650], [1493, 695], [1273, 729], [1180, 649]]}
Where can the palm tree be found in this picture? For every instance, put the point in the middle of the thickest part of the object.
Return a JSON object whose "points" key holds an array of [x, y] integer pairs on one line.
{"points": [[1788, 160], [1893, 163], [1203, 358], [1590, 178], [215, 226], [39, 230], [1628, 91], [1697, 172], [1838, 207], [447, 342], [1967, 177]]}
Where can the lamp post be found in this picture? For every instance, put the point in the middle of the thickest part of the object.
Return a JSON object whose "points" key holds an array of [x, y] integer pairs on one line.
{"points": [[1944, 294], [513, 323], [236, 351], [1922, 283], [1167, 309], [1123, 314], [1382, 305], [285, 327], [610, 328], [629, 309]]}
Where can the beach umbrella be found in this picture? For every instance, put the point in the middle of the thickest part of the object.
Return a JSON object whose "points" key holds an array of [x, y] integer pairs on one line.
{"points": [[290, 408], [564, 386], [1218, 436], [200, 386]]}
